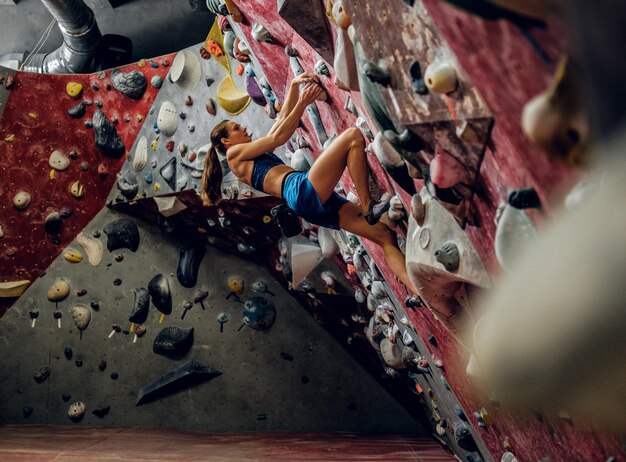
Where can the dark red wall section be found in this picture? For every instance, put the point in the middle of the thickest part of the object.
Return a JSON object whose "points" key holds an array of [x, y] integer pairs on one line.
{"points": [[25, 250]]}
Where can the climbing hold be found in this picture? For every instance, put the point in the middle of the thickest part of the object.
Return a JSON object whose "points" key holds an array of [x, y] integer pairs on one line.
{"points": [[173, 341], [259, 313], [418, 209], [76, 411], [93, 248], [261, 34], [72, 256], [232, 100], [42, 374], [556, 119], [448, 256], [169, 145], [391, 353], [340, 15], [189, 264], [107, 139], [77, 190], [417, 79], [186, 71], [127, 184], [74, 89], [21, 200], [291, 51], [167, 119], [156, 81], [210, 106], [141, 304], [321, 68], [525, 198], [396, 209], [508, 457], [77, 111], [191, 372], [446, 171], [515, 232], [81, 315], [59, 291], [160, 293], [122, 233], [168, 172], [441, 77], [236, 284], [132, 84], [140, 159], [463, 436], [376, 73]]}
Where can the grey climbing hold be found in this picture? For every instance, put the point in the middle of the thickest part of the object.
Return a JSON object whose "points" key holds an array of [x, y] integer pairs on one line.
{"points": [[376, 73], [156, 81], [185, 376], [132, 84], [127, 184], [107, 139], [173, 341], [42, 374], [122, 234], [168, 172], [77, 111], [448, 256], [463, 436]]}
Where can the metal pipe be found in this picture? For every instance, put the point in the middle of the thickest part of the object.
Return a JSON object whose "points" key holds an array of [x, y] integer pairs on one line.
{"points": [[81, 38]]}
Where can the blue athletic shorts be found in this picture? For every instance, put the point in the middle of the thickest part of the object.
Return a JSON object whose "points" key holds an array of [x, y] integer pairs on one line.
{"points": [[301, 197]]}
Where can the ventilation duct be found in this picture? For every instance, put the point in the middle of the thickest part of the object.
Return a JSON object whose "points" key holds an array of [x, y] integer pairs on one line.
{"points": [[81, 40]]}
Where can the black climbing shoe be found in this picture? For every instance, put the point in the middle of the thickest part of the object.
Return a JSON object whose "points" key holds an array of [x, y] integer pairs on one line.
{"points": [[376, 209]]}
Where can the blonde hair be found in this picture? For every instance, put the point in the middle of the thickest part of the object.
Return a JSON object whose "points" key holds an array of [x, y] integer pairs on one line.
{"points": [[212, 175]]}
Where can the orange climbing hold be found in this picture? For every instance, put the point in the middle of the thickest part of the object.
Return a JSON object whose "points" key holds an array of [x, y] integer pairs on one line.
{"points": [[240, 69], [214, 48]]}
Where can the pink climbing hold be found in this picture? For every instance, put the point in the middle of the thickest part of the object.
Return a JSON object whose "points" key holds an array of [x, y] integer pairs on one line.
{"points": [[446, 170]]}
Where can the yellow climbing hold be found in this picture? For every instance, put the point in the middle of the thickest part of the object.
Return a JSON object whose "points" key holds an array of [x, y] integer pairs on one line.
{"points": [[9, 138], [53, 174], [77, 190], [154, 143], [74, 89], [157, 186], [267, 219], [73, 256], [215, 34], [32, 115], [141, 62], [231, 98], [13, 288]]}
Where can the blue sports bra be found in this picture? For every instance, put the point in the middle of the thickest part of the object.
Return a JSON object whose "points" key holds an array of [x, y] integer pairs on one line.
{"points": [[262, 165]]}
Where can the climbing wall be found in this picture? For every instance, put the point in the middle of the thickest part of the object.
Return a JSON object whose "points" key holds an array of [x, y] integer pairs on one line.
{"points": [[256, 370]]}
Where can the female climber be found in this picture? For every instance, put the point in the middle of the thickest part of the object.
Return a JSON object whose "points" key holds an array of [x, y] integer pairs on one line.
{"points": [[309, 194]]}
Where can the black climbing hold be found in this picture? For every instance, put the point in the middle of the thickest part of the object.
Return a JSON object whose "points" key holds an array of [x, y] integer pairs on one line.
{"points": [[96, 234], [102, 365], [448, 256], [68, 352], [305, 379], [122, 233], [52, 223], [66, 397], [79, 363], [406, 140], [463, 436], [189, 264], [376, 73], [417, 79], [526, 198], [107, 139], [185, 376], [125, 332], [173, 341], [42, 374], [286, 356], [132, 84], [95, 305], [127, 184], [432, 340], [114, 375], [141, 305], [117, 282], [101, 411], [66, 212], [160, 293], [77, 111], [259, 313], [27, 411]]}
